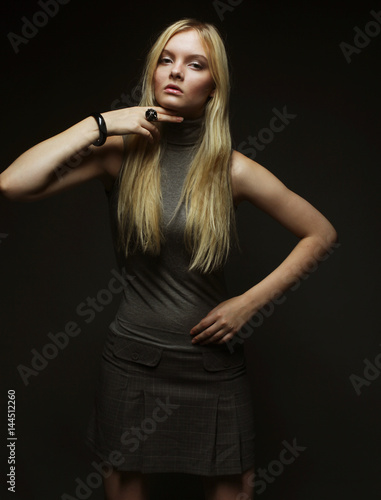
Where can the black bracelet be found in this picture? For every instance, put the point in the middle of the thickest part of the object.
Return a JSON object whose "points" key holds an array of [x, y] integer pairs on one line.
{"points": [[102, 129]]}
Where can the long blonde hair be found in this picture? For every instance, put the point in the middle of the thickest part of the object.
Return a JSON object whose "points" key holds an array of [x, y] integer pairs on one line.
{"points": [[210, 222]]}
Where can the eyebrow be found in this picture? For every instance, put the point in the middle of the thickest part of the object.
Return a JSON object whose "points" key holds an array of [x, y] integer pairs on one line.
{"points": [[191, 56]]}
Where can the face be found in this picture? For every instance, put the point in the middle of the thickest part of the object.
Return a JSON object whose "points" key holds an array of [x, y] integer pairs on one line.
{"points": [[182, 79]]}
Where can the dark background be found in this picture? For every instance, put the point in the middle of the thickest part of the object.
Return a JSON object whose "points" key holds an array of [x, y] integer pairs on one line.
{"points": [[58, 251]]}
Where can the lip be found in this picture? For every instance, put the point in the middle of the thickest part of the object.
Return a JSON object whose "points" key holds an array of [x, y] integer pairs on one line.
{"points": [[173, 89]]}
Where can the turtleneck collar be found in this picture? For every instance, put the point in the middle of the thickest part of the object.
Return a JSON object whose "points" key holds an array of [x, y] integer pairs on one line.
{"points": [[185, 133]]}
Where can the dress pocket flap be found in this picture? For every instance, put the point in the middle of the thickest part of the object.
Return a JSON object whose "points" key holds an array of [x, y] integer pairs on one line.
{"points": [[221, 359], [139, 352]]}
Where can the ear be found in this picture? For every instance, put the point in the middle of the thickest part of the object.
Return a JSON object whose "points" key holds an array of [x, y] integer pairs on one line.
{"points": [[212, 93]]}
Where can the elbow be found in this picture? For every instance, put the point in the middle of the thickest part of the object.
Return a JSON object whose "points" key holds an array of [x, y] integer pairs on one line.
{"points": [[332, 237], [5, 190], [3, 187], [12, 192], [329, 238], [324, 236]]}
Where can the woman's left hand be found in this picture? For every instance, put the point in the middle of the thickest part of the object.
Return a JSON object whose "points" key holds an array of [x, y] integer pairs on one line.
{"points": [[223, 322]]}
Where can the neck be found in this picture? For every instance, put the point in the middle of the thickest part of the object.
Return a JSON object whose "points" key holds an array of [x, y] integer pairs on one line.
{"points": [[185, 133]]}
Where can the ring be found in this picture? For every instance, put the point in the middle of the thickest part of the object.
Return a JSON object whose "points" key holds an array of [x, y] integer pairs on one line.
{"points": [[151, 115]]}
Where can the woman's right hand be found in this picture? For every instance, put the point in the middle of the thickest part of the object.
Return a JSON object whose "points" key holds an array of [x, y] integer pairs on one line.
{"points": [[133, 121], [47, 167]]}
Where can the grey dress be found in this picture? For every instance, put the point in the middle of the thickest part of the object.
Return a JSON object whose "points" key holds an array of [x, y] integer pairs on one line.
{"points": [[163, 404]]}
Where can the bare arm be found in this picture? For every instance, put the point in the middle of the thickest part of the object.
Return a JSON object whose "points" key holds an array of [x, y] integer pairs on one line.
{"points": [[41, 168], [254, 183], [45, 169]]}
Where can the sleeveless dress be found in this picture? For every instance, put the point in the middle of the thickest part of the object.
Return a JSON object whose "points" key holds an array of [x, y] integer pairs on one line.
{"points": [[163, 404]]}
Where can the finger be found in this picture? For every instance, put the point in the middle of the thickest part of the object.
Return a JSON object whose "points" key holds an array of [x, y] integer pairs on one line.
{"points": [[152, 129], [225, 339], [169, 118], [164, 111], [205, 323], [167, 115], [146, 133], [212, 339], [162, 117], [206, 333]]}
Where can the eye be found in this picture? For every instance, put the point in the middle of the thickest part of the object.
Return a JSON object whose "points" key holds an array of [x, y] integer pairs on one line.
{"points": [[197, 65], [165, 60]]}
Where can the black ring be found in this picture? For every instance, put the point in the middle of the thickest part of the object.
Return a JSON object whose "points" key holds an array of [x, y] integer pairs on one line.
{"points": [[151, 115]]}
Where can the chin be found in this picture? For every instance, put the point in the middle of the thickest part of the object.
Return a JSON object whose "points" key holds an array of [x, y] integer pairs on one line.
{"points": [[168, 105], [168, 102]]}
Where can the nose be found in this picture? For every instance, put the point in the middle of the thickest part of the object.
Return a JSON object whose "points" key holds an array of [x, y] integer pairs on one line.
{"points": [[177, 73]]}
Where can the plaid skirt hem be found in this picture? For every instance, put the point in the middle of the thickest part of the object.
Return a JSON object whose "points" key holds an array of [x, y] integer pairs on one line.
{"points": [[158, 410]]}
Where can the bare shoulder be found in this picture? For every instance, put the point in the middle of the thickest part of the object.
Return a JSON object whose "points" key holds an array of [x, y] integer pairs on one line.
{"points": [[256, 184], [253, 182], [236, 172]]}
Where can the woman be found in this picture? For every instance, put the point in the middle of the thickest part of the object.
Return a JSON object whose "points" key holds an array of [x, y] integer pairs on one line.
{"points": [[173, 393]]}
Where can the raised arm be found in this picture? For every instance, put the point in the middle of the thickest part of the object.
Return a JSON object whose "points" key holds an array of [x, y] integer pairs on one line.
{"points": [[44, 169], [47, 167]]}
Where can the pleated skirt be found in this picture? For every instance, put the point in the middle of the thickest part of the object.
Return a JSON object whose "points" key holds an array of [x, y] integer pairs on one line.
{"points": [[165, 410]]}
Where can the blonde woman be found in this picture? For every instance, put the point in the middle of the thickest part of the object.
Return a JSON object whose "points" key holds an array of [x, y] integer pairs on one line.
{"points": [[173, 393]]}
